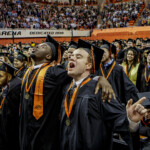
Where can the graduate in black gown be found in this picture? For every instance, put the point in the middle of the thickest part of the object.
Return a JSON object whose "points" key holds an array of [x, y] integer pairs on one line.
{"points": [[41, 99], [20, 63], [72, 46], [64, 59], [119, 51], [86, 122], [122, 86], [9, 107], [145, 131], [143, 78]]}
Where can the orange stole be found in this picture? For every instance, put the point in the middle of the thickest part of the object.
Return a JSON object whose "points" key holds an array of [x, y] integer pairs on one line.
{"points": [[68, 111], [38, 94], [2, 102], [19, 70]]}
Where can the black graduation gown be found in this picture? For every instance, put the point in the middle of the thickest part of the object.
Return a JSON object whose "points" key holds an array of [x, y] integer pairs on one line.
{"points": [[43, 134], [2, 141], [92, 122], [141, 83], [145, 127], [10, 114], [121, 84], [21, 73], [145, 131]]}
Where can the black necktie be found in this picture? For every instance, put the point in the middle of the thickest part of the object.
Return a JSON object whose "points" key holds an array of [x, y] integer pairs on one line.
{"points": [[70, 93]]}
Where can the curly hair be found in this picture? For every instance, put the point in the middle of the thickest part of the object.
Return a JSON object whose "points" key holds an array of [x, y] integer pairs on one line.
{"points": [[135, 61]]}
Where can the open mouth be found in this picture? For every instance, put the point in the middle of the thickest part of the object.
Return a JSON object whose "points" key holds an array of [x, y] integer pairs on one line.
{"points": [[71, 65]]}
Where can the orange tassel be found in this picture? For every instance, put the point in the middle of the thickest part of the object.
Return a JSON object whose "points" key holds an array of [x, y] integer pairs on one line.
{"points": [[93, 60], [59, 54]]}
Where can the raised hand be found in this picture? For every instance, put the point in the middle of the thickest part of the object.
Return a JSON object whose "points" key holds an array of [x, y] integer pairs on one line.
{"points": [[136, 111]]}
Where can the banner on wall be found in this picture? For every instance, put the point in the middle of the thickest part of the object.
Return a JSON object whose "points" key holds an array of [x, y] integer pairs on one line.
{"points": [[81, 33], [8, 33]]}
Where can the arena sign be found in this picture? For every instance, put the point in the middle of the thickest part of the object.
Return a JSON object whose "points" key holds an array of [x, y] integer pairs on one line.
{"points": [[8, 33]]}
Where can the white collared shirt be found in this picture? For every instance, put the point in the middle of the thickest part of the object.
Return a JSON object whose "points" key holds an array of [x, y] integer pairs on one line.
{"points": [[37, 66], [78, 82]]}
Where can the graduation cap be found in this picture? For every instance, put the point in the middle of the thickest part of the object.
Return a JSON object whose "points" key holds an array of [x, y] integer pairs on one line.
{"points": [[148, 41], [134, 49], [26, 48], [9, 47], [73, 44], [94, 51], [131, 40], [4, 54], [84, 44], [98, 54], [63, 49], [18, 49], [146, 49], [7, 68], [55, 48], [4, 47], [94, 43], [11, 58], [109, 46], [144, 41], [146, 103], [118, 41], [138, 39], [21, 56]]}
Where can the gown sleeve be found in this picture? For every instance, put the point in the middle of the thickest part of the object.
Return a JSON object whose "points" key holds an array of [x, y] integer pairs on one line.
{"points": [[99, 120]]}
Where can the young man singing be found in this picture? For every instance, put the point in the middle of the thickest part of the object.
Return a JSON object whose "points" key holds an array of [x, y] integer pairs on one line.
{"points": [[86, 122]]}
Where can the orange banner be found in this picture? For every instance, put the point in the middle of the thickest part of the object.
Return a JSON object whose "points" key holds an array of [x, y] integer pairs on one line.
{"points": [[121, 33], [97, 34]]}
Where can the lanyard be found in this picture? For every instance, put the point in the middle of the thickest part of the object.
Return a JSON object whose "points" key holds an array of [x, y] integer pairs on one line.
{"points": [[69, 110], [109, 70]]}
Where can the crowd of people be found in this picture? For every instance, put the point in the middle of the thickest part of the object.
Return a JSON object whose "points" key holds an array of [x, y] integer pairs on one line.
{"points": [[75, 95], [144, 19], [119, 15], [34, 82], [29, 15]]}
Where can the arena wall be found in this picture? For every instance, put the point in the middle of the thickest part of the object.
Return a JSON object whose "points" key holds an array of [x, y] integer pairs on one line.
{"points": [[97, 34]]}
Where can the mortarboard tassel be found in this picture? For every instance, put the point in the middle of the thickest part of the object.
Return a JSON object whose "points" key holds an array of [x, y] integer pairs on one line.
{"points": [[93, 60], [110, 50], [7, 77], [59, 54]]}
